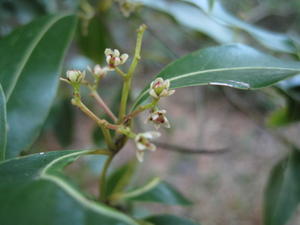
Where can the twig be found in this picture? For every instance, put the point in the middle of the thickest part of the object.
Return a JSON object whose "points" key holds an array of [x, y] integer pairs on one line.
{"points": [[182, 149], [104, 125], [102, 104], [120, 72]]}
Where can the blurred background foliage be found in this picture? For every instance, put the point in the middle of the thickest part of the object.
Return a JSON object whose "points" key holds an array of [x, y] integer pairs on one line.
{"points": [[227, 188]]}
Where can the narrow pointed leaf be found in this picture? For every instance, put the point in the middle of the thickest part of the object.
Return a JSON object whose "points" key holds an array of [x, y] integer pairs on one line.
{"points": [[120, 178], [30, 75], [193, 18], [275, 41], [37, 192], [3, 125], [157, 191], [165, 219], [282, 195], [235, 65]]}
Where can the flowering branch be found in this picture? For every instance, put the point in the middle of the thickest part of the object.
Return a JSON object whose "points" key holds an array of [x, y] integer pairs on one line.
{"points": [[128, 77]]}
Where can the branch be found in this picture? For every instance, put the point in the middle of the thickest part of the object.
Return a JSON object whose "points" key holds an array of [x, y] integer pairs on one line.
{"points": [[102, 104], [182, 149]]}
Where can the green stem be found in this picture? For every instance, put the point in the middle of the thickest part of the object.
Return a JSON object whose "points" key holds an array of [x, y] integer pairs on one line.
{"points": [[125, 94], [103, 105], [104, 125], [102, 185], [100, 152], [128, 77], [141, 109], [120, 72]]}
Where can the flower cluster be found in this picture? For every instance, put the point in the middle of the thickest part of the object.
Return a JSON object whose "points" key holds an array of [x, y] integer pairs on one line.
{"points": [[158, 88], [113, 59]]}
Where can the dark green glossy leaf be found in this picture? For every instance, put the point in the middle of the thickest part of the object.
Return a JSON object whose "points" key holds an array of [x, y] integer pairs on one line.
{"points": [[120, 178], [93, 38], [193, 18], [165, 219], [275, 41], [236, 65], [30, 75], [36, 193], [282, 195], [157, 191], [3, 124]]}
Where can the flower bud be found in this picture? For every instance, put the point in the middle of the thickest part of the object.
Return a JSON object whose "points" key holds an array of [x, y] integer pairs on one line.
{"points": [[160, 88], [75, 76], [158, 118]]}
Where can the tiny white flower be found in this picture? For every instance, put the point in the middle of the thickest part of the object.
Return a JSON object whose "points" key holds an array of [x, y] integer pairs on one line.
{"points": [[127, 7], [98, 71], [142, 143], [160, 88], [158, 118], [114, 58], [75, 76]]}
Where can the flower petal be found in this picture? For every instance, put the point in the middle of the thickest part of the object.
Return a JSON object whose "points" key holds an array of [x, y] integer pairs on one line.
{"points": [[140, 156]]}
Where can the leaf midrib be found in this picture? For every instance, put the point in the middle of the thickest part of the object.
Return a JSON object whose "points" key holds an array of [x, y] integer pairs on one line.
{"points": [[28, 53], [3, 128]]}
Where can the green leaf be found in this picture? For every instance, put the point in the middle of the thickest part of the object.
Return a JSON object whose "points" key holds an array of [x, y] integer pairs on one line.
{"points": [[275, 41], [165, 219], [3, 124], [236, 65], [29, 75], [36, 193], [282, 194], [156, 191], [193, 18], [285, 116], [120, 178], [290, 90]]}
